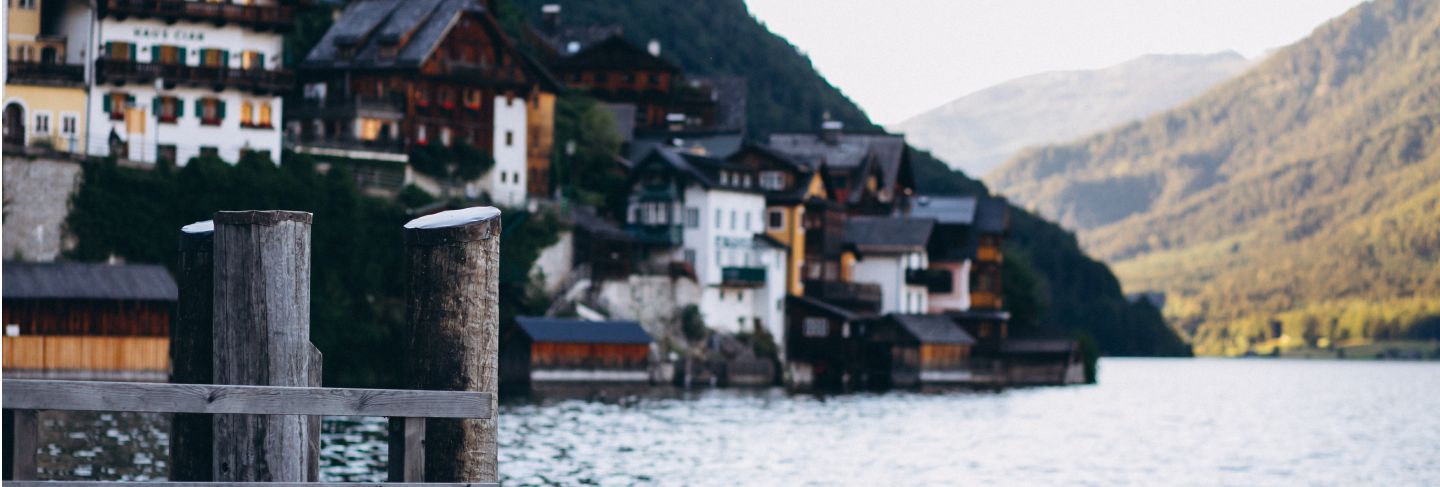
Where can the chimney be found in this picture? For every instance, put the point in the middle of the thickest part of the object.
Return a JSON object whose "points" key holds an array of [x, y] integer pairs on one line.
{"points": [[830, 130], [653, 47], [550, 18]]}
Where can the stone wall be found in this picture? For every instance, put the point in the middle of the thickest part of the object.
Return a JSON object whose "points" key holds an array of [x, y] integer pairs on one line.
{"points": [[36, 202]]}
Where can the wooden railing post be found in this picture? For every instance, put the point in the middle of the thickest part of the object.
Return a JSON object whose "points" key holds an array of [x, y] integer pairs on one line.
{"points": [[262, 337], [192, 441], [453, 344], [22, 435]]}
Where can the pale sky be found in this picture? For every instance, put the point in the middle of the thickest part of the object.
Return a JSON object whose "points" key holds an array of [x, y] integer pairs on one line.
{"points": [[898, 58]]}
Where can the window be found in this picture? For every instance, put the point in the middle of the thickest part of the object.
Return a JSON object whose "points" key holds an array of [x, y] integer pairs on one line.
{"points": [[120, 51], [211, 110], [509, 138], [68, 124], [247, 114], [170, 55], [370, 128], [692, 218], [719, 215], [208, 152], [420, 135], [26, 4], [252, 60], [732, 219], [42, 123], [264, 120], [816, 327], [214, 58], [747, 220], [777, 219], [166, 153], [116, 103], [445, 137], [690, 257], [772, 180], [167, 108]]}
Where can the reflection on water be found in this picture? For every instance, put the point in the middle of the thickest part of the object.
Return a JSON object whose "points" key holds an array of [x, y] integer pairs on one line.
{"points": [[1171, 422]]}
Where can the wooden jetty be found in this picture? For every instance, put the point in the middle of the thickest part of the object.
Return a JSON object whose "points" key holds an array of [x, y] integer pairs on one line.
{"points": [[246, 389]]}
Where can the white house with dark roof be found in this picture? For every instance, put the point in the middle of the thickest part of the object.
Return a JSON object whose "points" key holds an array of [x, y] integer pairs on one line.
{"points": [[892, 253], [707, 215], [172, 81]]}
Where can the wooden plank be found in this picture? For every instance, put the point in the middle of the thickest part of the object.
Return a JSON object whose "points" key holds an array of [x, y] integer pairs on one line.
{"points": [[24, 435], [407, 450], [262, 337], [223, 399], [192, 436], [100, 483]]}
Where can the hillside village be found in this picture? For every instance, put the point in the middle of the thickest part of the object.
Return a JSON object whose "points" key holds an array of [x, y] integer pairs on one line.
{"points": [[809, 259]]}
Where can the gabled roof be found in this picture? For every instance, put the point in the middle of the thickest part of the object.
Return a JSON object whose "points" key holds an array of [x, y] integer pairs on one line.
{"points": [[715, 144], [582, 35], [933, 329], [946, 210], [847, 152], [415, 26], [557, 330], [74, 280], [615, 53], [586, 220], [888, 233], [766, 239], [701, 169]]}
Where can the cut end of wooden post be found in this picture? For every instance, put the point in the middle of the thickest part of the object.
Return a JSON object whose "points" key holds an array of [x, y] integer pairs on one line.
{"points": [[467, 225], [207, 226], [454, 218], [268, 217]]}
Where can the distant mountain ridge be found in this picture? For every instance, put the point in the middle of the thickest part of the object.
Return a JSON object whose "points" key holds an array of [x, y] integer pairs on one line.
{"points": [[977, 132], [1305, 191]]}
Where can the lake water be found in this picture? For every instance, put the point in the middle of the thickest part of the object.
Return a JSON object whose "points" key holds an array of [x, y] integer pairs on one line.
{"points": [[1148, 422]]}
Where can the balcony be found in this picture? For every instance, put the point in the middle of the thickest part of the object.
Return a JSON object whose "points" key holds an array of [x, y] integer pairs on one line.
{"points": [[258, 17], [483, 72], [853, 295], [45, 74], [217, 77], [742, 276], [383, 108], [668, 235], [937, 281]]}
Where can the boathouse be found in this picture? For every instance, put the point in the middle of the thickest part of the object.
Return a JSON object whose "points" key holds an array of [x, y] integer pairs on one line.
{"points": [[1042, 361], [906, 350], [822, 343], [571, 350], [69, 320]]}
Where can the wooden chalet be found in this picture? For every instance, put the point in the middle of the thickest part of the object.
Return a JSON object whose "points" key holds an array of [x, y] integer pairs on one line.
{"points": [[573, 351], [601, 246], [87, 321], [618, 72], [870, 173], [392, 75], [992, 224], [905, 350]]}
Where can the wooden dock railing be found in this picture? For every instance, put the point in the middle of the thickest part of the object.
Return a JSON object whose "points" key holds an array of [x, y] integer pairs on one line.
{"points": [[243, 367], [25, 398]]}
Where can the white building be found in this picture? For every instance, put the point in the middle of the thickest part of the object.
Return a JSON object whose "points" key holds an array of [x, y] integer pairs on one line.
{"points": [[175, 83], [709, 215], [506, 181], [893, 255]]}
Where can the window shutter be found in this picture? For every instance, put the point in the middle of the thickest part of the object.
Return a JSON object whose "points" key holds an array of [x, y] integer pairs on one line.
{"points": [[179, 108], [110, 49], [221, 104], [259, 60], [155, 106], [105, 102], [200, 107], [132, 52], [129, 101], [224, 59], [180, 53]]}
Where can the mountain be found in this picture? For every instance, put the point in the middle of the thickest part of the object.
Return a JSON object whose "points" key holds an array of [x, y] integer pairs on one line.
{"points": [[1305, 191], [719, 37], [977, 132]]}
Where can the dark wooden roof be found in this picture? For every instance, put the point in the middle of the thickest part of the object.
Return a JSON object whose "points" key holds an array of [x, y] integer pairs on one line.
{"points": [[822, 306], [701, 169], [73, 280], [937, 329], [848, 153], [946, 210], [415, 27], [559, 330], [888, 233], [614, 53], [992, 216]]}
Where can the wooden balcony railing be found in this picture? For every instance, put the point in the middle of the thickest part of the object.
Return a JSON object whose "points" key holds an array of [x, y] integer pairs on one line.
{"points": [[742, 276], [855, 294], [219, 77], [44, 73], [260, 17], [934, 280]]}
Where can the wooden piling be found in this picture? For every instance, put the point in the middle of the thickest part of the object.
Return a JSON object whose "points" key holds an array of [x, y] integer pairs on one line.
{"points": [[453, 340], [191, 361], [262, 337]]}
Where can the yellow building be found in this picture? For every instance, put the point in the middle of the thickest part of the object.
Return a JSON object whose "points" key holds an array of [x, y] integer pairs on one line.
{"points": [[44, 93], [789, 187]]}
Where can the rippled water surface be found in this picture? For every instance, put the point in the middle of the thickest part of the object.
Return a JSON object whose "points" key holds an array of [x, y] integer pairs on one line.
{"points": [[1149, 422]]}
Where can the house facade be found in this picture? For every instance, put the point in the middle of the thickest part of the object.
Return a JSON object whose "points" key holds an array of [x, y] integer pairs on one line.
{"points": [[893, 255], [45, 91], [174, 81]]}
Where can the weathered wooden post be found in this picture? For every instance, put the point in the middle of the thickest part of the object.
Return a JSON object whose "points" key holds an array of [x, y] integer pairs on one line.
{"points": [[192, 435], [454, 323], [262, 337]]}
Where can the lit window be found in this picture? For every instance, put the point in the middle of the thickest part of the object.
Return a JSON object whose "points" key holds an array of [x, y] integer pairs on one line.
{"points": [[370, 128], [247, 113], [264, 115], [252, 60]]}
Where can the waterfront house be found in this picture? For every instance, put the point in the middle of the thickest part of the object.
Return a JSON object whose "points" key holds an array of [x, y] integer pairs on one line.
{"points": [[892, 254], [87, 321], [574, 351], [653, 88], [904, 350], [1042, 361], [822, 344], [45, 89], [392, 76], [951, 249], [706, 214], [869, 172], [177, 80], [992, 224]]}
